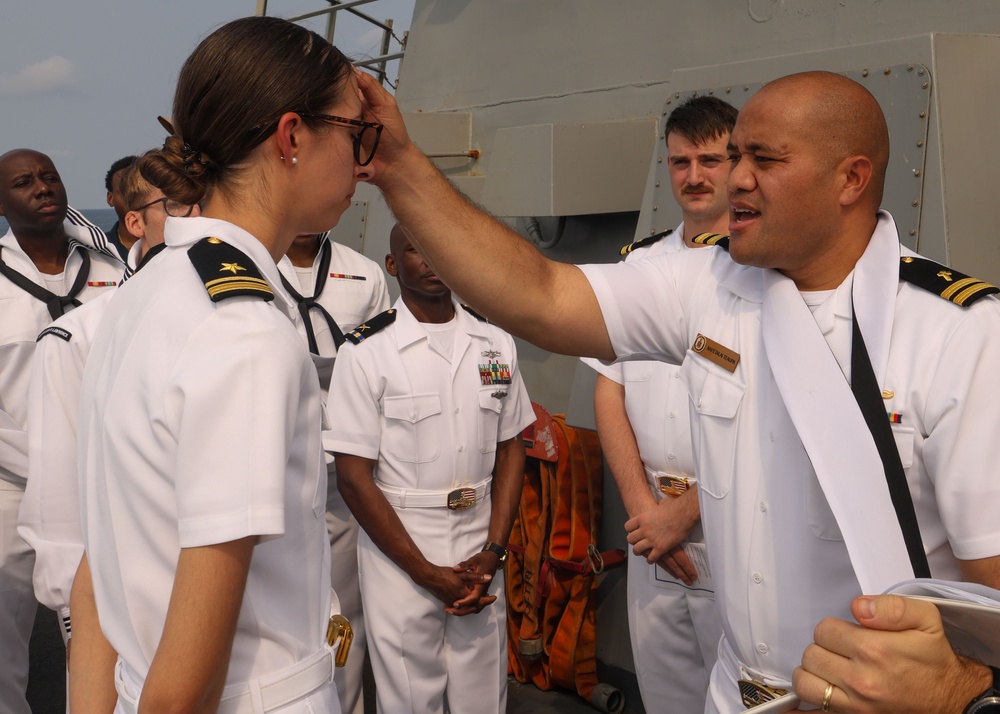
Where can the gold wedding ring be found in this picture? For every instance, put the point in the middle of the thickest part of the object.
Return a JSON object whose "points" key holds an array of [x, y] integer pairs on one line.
{"points": [[827, 696]]}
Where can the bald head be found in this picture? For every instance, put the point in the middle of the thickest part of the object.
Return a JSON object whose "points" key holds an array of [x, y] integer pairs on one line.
{"points": [[32, 195], [840, 116], [398, 241]]}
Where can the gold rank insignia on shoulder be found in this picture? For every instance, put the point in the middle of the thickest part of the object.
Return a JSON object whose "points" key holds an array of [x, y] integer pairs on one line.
{"points": [[943, 281], [213, 257], [340, 634], [712, 239], [461, 498], [370, 327], [643, 242]]}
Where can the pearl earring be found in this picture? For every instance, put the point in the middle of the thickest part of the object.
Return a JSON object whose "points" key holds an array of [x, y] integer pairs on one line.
{"points": [[295, 159]]}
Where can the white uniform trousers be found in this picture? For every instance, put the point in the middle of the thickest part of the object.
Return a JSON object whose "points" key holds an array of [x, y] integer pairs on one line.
{"points": [[343, 531], [17, 603], [424, 661], [675, 638]]}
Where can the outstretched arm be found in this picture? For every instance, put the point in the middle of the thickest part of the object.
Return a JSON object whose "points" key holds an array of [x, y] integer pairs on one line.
{"points": [[547, 303]]}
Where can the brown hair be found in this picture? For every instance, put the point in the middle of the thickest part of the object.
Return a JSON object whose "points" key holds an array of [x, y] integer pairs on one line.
{"points": [[232, 91], [133, 187], [701, 119]]}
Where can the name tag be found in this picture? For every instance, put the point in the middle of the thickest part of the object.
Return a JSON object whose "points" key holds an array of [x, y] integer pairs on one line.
{"points": [[714, 352]]}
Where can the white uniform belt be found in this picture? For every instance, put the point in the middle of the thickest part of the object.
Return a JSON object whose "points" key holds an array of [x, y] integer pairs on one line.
{"points": [[419, 498], [260, 695]]}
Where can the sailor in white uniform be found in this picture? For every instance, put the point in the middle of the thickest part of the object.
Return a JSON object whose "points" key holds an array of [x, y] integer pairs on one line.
{"points": [[642, 418], [203, 486], [51, 260], [209, 435], [801, 529], [426, 411], [49, 519], [336, 290]]}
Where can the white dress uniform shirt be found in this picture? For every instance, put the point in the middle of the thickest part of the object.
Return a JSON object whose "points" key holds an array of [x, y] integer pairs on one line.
{"points": [[780, 561], [200, 424], [674, 628], [432, 422], [23, 317], [49, 519], [354, 291]]}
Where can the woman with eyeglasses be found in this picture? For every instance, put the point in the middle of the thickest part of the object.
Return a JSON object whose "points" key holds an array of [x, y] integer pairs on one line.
{"points": [[204, 484]]}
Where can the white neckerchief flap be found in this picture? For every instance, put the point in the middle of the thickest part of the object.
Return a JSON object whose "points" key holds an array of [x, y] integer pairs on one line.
{"points": [[876, 282], [833, 431]]}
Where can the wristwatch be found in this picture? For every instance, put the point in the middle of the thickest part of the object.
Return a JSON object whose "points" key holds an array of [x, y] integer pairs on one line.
{"points": [[989, 701], [500, 552]]}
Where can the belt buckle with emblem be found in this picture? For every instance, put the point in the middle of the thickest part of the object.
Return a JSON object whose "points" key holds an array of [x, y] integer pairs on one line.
{"points": [[672, 485], [755, 693], [340, 631], [461, 498]]}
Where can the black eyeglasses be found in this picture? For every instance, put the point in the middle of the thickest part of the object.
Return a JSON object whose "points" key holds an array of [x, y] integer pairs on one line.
{"points": [[359, 148], [175, 209]]}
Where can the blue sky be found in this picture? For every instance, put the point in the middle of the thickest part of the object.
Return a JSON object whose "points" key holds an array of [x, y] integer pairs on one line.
{"points": [[84, 81]]}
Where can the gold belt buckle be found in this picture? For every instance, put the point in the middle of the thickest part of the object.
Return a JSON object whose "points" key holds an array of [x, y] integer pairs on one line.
{"points": [[462, 498], [340, 630], [755, 693], [672, 485]]}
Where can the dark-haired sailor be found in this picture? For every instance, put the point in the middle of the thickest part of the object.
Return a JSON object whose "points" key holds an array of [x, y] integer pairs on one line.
{"points": [[427, 407], [51, 260], [642, 418]]}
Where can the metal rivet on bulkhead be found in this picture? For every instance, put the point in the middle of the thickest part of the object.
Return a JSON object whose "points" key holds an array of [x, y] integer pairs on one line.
{"points": [[864, 73]]}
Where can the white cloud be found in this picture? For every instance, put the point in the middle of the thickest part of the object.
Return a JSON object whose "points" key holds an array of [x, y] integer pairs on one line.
{"points": [[53, 73]]}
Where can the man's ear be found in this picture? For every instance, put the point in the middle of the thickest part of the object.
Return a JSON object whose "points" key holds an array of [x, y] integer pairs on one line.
{"points": [[111, 200], [134, 224], [390, 265], [856, 172]]}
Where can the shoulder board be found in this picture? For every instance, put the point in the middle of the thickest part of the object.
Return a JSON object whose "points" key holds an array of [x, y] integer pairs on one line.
{"points": [[941, 280], [57, 331], [227, 271], [648, 240], [474, 313], [376, 324], [712, 239]]}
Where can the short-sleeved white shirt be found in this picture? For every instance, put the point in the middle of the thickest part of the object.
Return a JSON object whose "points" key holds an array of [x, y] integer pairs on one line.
{"points": [[779, 561], [199, 425], [23, 317], [49, 518], [429, 424]]}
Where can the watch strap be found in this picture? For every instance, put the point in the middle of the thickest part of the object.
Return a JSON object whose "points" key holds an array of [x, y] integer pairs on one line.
{"points": [[989, 701], [497, 550]]}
